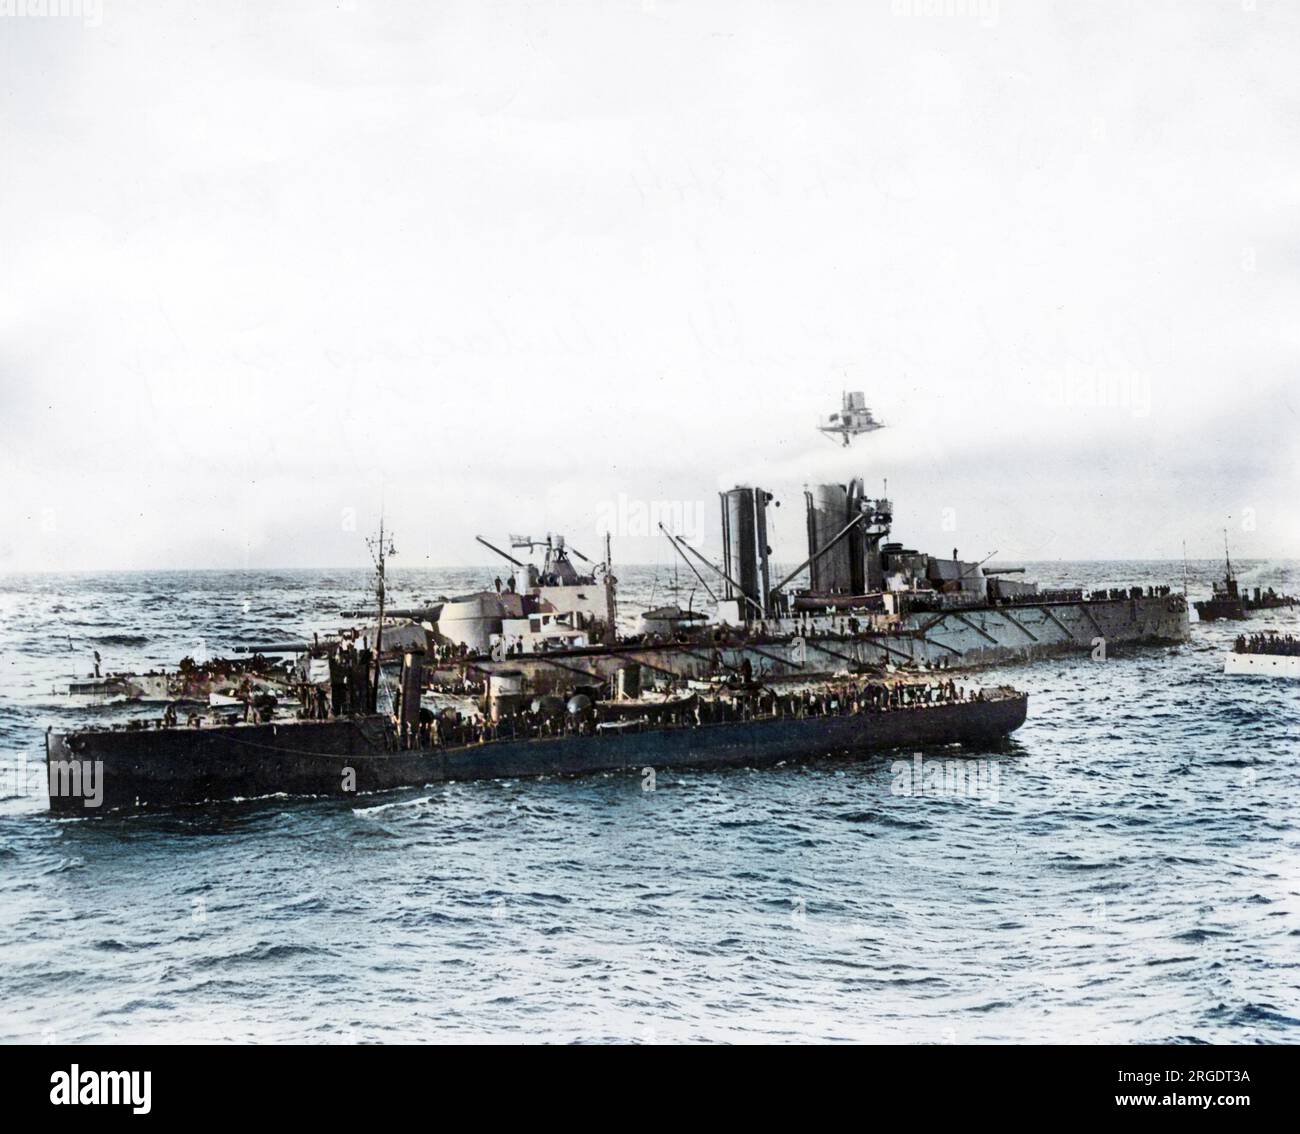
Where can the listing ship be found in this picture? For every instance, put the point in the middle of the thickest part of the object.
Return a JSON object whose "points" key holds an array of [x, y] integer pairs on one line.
{"points": [[868, 602], [864, 601]]}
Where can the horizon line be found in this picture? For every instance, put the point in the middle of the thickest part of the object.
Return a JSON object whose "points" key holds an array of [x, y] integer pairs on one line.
{"points": [[488, 567]]}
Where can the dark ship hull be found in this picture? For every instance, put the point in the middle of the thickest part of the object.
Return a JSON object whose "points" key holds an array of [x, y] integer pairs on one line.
{"points": [[1230, 609], [1229, 603], [343, 758], [1268, 602]]}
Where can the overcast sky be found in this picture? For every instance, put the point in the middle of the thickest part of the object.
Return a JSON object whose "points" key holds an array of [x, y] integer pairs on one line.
{"points": [[504, 267]]}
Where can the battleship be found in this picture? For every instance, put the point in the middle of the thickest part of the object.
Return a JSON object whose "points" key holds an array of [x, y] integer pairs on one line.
{"points": [[858, 599], [868, 603]]}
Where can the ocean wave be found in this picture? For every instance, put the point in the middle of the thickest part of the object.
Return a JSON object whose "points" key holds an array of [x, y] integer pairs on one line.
{"points": [[1145, 798]]}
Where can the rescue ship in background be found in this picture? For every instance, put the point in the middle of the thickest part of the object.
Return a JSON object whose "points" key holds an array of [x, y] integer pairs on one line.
{"points": [[1227, 600]]}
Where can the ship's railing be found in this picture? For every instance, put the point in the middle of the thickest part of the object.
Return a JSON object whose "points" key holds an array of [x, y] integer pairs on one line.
{"points": [[693, 713], [699, 712]]}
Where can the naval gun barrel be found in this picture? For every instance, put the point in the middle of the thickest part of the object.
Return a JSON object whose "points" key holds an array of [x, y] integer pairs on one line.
{"points": [[273, 648], [493, 547], [1004, 570], [415, 612]]}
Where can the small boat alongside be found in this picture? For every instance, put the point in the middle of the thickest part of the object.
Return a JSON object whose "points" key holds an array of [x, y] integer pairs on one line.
{"points": [[1264, 655]]}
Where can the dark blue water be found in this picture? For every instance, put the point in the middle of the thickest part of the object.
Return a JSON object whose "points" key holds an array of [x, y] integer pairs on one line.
{"points": [[1133, 875]]}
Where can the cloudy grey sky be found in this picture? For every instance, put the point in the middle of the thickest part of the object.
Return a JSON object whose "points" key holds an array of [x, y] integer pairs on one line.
{"points": [[517, 266]]}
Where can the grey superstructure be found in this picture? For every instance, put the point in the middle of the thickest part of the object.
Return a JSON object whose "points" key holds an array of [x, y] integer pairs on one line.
{"points": [[872, 602]]}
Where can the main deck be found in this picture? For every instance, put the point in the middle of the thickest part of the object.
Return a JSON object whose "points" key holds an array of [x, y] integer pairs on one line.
{"points": [[119, 768]]}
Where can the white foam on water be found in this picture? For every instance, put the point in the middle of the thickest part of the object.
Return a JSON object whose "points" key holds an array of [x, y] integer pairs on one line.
{"points": [[380, 808]]}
